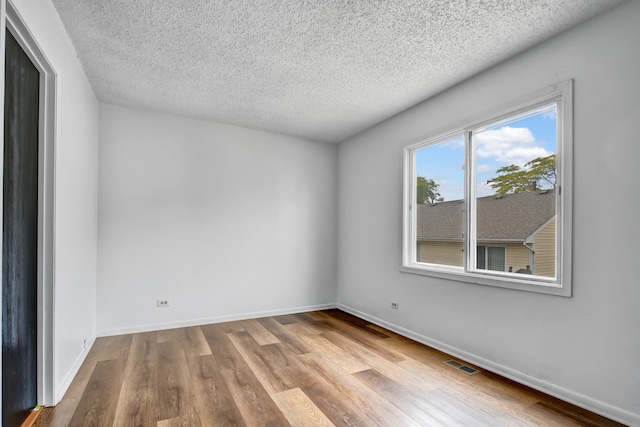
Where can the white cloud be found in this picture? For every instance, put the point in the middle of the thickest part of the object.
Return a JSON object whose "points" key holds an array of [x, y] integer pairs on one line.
{"points": [[509, 145], [484, 168], [455, 144], [483, 189]]}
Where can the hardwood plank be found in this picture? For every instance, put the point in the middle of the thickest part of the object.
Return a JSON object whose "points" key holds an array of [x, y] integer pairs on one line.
{"points": [[262, 366], [175, 395], [365, 339], [300, 410], [197, 344], [373, 360], [115, 347], [59, 415], [222, 349], [381, 411], [286, 364], [79, 383], [141, 366], [191, 339], [502, 410], [97, 406], [334, 353], [354, 321], [335, 406], [582, 416], [287, 338], [371, 344], [550, 418], [258, 332], [466, 414], [382, 330], [136, 407], [309, 323], [137, 401], [503, 389], [254, 403], [416, 350], [213, 398], [285, 319], [168, 335], [315, 315], [230, 327], [182, 421], [421, 411]]}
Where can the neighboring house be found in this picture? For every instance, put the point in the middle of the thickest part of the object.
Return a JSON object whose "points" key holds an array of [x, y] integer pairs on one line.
{"points": [[515, 232]]}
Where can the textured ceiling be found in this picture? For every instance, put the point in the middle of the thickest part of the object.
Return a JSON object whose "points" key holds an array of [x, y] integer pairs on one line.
{"points": [[319, 69]]}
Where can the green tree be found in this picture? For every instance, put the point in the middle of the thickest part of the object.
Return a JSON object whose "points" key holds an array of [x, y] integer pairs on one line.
{"points": [[427, 191], [539, 173]]}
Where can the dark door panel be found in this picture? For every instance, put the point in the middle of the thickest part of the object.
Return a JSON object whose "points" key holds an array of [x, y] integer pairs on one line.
{"points": [[20, 236]]}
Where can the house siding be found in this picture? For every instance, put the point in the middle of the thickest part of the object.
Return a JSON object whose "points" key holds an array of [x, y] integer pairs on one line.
{"points": [[518, 256], [445, 253], [545, 247], [451, 253]]}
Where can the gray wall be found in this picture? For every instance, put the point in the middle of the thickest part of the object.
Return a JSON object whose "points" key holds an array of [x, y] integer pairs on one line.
{"points": [[580, 348], [225, 222]]}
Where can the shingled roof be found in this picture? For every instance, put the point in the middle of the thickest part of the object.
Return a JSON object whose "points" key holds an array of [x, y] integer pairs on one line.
{"points": [[512, 217]]}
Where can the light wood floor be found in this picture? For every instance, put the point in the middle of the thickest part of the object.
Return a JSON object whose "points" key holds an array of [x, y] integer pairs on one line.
{"points": [[324, 368]]}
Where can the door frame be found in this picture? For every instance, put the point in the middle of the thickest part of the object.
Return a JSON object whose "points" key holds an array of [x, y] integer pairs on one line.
{"points": [[13, 22]]}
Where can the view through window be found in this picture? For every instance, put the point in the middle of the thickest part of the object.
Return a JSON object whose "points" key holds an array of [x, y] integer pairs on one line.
{"points": [[514, 209]]}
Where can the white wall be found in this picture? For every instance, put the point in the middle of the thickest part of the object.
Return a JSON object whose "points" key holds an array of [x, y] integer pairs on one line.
{"points": [[585, 348], [76, 200], [224, 222]]}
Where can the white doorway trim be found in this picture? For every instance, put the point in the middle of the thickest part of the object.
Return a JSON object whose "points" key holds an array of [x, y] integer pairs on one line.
{"points": [[46, 203]]}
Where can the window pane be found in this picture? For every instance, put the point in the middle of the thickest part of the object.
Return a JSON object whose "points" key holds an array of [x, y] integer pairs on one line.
{"points": [[515, 176], [490, 258], [439, 184], [481, 258], [495, 258]]}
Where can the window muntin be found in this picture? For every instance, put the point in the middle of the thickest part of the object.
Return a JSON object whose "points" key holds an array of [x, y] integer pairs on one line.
{"points": [[532, 136]]}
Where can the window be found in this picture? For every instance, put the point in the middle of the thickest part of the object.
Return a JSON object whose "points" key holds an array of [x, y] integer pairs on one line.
{"points": [[491, 258], [490, 202]]}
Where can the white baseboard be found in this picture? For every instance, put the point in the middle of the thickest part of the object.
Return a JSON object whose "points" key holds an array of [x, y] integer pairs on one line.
{"points": [[606, 410], [208, 320], [62, 388]]}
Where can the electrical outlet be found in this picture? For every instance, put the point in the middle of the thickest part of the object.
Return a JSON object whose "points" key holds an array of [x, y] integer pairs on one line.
{"points": [[85, 342], [163, 303], [394, 305]]}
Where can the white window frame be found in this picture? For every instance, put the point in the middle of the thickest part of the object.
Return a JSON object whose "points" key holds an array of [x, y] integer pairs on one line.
{"points": [[561, 94]]}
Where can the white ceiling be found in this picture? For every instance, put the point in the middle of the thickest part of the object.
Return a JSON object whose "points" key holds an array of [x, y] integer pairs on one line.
{"points": [[319, 69]]}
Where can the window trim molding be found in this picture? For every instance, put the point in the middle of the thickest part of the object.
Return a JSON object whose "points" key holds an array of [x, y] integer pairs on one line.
{"points": [[560, 93]]}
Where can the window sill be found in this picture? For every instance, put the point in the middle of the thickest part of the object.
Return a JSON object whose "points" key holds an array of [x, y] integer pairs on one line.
{"points": [[459, 275]]}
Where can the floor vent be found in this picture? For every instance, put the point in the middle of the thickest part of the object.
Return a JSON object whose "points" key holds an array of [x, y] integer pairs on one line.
{"points": [[464, 368]]}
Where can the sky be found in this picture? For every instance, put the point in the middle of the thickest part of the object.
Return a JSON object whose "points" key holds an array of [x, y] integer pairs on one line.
{"points": [[513, 142]]}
